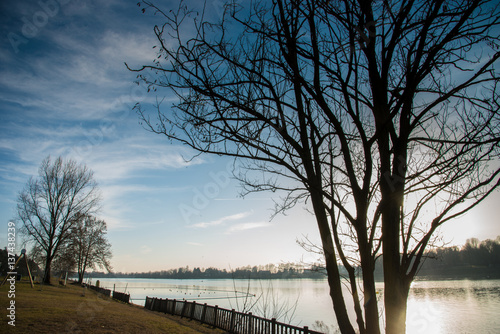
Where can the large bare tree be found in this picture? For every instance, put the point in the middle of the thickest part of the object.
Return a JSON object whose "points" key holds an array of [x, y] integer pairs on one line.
{"points": [[50, 205], [383, 115]]}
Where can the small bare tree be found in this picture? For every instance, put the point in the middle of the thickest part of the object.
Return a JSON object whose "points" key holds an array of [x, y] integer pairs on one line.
{"points": [[265, 303], [88, 245], [383, 115], [50, 205]]}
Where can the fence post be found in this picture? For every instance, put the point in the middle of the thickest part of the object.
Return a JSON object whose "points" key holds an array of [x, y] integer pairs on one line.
{"points": [[193, 309], [250, 329], [184, 305], [215, 315], [203, 313], [273, 326], [306, 330], [233, 316]]}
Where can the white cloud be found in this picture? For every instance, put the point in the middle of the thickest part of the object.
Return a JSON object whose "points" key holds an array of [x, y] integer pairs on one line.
{"points": [[247, 226], [118, 190], [236, 227], [194, 243], [120, 160], [108, 155], [223, 220], [88, 80], [112, 222], [132, 48]]}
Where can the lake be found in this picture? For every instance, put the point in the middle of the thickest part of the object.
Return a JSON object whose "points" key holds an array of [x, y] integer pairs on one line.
{"points": [[434, 307]]}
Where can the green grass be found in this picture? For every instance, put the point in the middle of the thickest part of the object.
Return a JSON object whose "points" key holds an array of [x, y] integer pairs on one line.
{"points": [[54, 309]]}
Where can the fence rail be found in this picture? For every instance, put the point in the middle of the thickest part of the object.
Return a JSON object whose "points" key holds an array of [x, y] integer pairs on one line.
{"points": [[228, 320], [124, 297], [105, 292]]}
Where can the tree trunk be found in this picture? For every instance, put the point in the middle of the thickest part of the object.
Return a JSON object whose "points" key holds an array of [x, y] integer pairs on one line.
{"points": [[334, 279], [80, 277], [46, 275], [392, 183], [370, 301], [396, 287], [81, 271], [396, 297], [372, 321]]}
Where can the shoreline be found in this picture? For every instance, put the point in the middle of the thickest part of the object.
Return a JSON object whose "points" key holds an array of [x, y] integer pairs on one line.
{"points": [[441, 274], [59, 309]]}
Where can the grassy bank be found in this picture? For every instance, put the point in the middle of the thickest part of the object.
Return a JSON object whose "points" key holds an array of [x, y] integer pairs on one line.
{"points": [[54, 309]]}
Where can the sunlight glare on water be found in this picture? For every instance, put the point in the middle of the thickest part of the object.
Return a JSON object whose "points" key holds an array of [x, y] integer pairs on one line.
{"points": [[424, 316], [454, 306]]}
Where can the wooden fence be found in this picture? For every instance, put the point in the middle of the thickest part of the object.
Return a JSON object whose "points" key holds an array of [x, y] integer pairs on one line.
{"points": [[124, 297], [105, 292], [228, 320]]}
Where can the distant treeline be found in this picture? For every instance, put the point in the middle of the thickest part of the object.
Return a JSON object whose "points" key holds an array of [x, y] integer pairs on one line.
{"points": [[476, 259], [270, 271]]}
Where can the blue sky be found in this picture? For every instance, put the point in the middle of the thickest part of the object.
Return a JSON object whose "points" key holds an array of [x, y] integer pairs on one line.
{"points": [[65, 91]]}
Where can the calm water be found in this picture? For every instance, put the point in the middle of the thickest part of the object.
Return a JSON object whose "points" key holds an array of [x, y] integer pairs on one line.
{"points": [[434, 307]]}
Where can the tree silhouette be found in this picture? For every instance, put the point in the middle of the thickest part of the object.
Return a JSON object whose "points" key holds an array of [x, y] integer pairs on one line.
{"points": [[50, 205], [88, 245], [383, 115]]}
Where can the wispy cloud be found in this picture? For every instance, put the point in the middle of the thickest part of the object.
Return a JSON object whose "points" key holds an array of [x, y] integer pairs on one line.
{"points": [[109, 157], [234, 222], [247, 226], [223, 220], [113, 222], [82, 76], [145, 249], [194, 243], [120, 190], [121, 159]]}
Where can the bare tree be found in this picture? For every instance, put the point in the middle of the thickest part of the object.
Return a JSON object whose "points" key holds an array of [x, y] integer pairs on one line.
{"points": [[50, 205], [383, 115], [88, 245]]}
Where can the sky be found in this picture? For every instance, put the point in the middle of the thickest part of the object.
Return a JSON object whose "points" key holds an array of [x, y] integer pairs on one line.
{"points": [[65, 91]]}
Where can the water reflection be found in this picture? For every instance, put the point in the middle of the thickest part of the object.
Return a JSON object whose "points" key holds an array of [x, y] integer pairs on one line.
{"points": [[434, 307], [461, 306], [423, 316]]}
